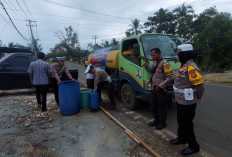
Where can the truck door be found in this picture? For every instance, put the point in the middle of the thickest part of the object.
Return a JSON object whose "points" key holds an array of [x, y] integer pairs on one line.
{"points": [[14, 72], [130, 66]]}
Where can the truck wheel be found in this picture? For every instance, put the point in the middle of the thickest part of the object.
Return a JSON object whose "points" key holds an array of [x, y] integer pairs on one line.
{"points": [[128, 97]]}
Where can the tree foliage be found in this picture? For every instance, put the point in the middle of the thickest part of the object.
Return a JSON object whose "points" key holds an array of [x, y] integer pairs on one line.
{"points": [[69, 45], [210, 32]]}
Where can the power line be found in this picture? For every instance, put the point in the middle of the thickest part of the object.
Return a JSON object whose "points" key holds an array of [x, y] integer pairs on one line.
{"points": [[74, 17], [96, 24], [11, 8], [23, 10], [12, 21], [25, 5], [93, 12]]}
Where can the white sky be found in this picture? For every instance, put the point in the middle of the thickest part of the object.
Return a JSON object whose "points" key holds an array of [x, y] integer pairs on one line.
{"points": [[85, 16]]}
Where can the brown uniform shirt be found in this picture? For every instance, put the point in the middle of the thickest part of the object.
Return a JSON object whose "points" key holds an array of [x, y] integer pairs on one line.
{"points": [[57, 71], [99, 75], [188, 76], [163, 74]]}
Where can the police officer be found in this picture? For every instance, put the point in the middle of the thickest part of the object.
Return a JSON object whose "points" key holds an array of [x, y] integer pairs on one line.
{"points": [[188, 90], [162, 75], [90, 77], [57, 71], [101, 79]]}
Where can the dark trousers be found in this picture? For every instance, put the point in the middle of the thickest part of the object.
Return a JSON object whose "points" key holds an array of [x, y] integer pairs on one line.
{"points": [[90, 83], [55, 88], [41, 93], [110, 90], [158, 104], [185, 115]]}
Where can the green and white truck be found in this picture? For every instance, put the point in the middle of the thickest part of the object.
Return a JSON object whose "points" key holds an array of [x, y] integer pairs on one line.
{"points": [[131, 80]]}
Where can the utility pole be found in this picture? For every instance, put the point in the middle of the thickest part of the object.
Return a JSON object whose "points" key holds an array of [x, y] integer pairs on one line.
{"points": [[32, 38], [95, 38]]}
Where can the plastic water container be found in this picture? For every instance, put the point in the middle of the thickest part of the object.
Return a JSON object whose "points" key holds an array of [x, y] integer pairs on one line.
{"points": [[94, 100], [69, 97], [85, 97]]}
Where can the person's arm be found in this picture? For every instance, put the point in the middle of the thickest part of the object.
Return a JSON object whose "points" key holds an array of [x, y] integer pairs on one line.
{"points": [[68, 73], [199, 91], [166, 82], [146, 65], [197, 80], [169, 75], [96, 79], [30, 71], [49, 70], [31, 77], [54, 71]]}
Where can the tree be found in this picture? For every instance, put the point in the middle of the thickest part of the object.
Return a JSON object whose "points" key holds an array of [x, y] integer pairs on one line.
{"points": [[12, 45], [69, 43], [38, 47], [135, 27], [114, 42], [218, 36], [184, 22], [69, 38], [163, 21]]}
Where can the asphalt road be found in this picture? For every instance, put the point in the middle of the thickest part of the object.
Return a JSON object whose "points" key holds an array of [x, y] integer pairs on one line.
{"points": [[213, 127], [213, 118]]}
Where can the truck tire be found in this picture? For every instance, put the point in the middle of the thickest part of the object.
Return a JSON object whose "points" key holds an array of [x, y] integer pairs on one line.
{"points": [[128, 97]]}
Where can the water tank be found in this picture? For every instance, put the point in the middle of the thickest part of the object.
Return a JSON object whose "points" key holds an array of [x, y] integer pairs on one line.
{"points": [[69, 97], [94, 100]]}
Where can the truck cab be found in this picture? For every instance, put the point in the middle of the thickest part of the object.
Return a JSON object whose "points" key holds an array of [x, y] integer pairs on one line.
{"points": [[135, 79]]}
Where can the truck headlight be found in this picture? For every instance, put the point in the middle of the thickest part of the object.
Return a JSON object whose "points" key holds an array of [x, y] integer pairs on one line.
{"points": [[147, 85]]}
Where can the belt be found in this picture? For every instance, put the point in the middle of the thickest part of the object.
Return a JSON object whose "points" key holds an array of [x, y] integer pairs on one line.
{"points": [[181, 90]]}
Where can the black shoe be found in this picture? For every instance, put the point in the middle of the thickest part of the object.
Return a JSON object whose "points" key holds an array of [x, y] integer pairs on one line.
{"points": [[177, 141], [44, 110], [160, 126], [188, 151], [153, 123], [112, 107]]}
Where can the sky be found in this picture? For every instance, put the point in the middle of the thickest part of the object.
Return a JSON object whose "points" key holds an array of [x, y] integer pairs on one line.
{"points": [[105, 19]]}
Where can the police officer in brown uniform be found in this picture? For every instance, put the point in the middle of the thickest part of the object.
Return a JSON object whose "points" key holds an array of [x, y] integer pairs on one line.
{"points": [[188, 90], [162, 75], [101, 79]]}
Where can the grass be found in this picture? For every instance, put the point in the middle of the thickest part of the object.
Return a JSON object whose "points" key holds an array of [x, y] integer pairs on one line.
{"points": [[219, 78]]}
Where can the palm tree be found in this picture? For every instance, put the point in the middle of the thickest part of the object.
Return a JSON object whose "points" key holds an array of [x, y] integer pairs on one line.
{"points": [[135, 27], [183, 11]]}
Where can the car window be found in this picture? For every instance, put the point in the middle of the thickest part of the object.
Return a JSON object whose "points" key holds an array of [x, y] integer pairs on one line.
{"points": [[19, 61]]}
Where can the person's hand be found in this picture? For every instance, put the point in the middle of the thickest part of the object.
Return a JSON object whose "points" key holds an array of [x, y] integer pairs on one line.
{"points": [[59, 81], [144, 58], [173, 96], [157, 87], [74, 79], [200, 100]]}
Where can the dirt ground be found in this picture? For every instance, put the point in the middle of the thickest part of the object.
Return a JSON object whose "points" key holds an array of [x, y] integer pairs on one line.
{"points": [[25, 131]]}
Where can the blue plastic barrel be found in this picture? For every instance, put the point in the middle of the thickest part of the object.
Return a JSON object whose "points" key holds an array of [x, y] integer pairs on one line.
{"points": [[69, 97], [94, 101]]}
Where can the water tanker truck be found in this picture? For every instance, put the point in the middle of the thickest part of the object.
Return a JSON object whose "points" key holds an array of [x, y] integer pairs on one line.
{"points": [[131, 80]]}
